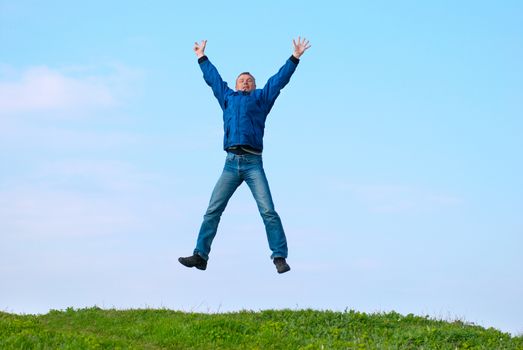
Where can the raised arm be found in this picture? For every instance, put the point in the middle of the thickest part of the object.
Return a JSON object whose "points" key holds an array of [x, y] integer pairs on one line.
{"points": [[278, 81], [210, 74]]}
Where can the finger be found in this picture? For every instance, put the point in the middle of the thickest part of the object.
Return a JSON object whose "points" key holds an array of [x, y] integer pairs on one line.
{"points": [[294, 42]]}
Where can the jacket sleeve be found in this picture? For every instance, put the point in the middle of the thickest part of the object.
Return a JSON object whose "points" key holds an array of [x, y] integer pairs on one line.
{"points": [[272, 89], [214, 80]]}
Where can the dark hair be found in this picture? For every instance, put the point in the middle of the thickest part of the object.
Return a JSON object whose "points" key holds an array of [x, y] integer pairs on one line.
{"points": [[247, 73]]}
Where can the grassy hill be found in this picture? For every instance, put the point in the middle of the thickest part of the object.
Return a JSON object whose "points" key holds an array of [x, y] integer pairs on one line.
{"points": [[94, 328]]}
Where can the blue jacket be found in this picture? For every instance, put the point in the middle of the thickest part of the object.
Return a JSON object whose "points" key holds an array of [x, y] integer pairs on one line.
{"points": [[244, 113]]}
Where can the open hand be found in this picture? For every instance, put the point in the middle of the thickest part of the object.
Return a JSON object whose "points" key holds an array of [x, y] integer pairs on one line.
{"points": [[199, 49], [300, 47]]}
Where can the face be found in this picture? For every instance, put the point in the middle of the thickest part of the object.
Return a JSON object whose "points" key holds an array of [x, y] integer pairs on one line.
{"points": [[246, 83]]}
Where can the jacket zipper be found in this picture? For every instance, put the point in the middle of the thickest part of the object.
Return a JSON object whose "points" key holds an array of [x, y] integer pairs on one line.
{"points": [[238, 134]]}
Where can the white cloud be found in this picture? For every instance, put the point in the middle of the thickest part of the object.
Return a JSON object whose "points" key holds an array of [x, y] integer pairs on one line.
{"points": [[72, 108], [41, 88]]}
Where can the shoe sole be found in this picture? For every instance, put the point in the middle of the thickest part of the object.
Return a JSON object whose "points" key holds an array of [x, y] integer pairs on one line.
{"points": [[199, 267], [287, 269]]}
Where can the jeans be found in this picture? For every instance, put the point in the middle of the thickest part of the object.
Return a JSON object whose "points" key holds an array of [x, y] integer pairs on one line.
{"points": [[239, 168]]}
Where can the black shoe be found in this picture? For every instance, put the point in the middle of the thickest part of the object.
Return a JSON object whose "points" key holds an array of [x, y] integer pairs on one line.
{"points": [[194, 261], [281, 265]]}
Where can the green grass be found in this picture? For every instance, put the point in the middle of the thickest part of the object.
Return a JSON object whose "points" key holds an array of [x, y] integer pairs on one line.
{"points": [[94, 328]]}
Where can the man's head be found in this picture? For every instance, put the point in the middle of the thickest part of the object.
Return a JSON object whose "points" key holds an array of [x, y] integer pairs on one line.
{"points": [[245, 82]]}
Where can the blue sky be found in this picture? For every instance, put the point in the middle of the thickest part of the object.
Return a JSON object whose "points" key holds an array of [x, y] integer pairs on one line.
{"points": [[394, 157]]}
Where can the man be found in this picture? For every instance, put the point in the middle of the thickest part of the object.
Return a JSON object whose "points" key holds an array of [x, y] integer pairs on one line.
{"points": [[244, 113]]}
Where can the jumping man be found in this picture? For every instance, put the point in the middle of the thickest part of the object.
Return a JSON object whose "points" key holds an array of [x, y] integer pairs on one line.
{"points": [[244, 113]]}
